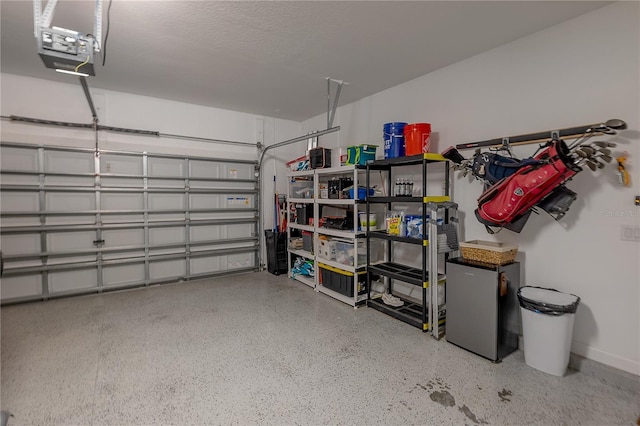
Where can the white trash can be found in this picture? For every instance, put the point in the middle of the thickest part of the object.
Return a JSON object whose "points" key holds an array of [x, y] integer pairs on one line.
{"points": [[547, 327]]}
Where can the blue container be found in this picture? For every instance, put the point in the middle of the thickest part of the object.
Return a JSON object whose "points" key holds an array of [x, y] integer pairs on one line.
{"points": [[362, 193], [394, 139]]}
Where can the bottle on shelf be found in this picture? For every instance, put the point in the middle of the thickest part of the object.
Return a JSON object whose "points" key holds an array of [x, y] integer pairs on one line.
{"points": [[396, 191], [410, 189]]}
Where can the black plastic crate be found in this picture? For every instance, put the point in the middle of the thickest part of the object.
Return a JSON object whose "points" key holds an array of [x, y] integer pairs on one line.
{"points": [[342, 281], [276, 252], [320, 158]]}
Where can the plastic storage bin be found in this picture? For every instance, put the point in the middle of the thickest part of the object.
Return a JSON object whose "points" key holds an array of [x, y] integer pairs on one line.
{"points": [[342, 281], [362, 193], [302, 189], [547, 328], [327, 249]]}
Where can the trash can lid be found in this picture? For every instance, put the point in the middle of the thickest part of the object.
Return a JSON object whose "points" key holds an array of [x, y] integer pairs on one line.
{"points": [[547, 300]]}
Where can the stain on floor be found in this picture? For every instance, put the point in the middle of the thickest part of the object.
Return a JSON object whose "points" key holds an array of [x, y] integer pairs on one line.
{"points": [[467, 412], [443, 398], [504, 395]]}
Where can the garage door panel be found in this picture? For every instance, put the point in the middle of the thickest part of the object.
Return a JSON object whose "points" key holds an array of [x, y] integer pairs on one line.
{"points": [[20, 286], [123, 237], [205, 233], [166, 167], [206, 201], [61, 241], [240, 231], [166, 236], [121, 164], [60, 281], [120, 201], [205, 169], [20, 243], [238, 171], [18, 159], [69, 162], [167, 269], [19, 201], [240, 260], [123, 274], [166, 201], [70, 201], [204, 265]]}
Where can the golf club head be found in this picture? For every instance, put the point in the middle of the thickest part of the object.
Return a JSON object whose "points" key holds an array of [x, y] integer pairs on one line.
{"points": [[604, 151], [592, 165], [603, 144], [581, 153], [587, 150], [606, 157], [616, 124]]}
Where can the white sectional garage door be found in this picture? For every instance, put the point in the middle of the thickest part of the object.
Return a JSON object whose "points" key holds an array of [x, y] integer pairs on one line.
{"points": [[74, 222]]}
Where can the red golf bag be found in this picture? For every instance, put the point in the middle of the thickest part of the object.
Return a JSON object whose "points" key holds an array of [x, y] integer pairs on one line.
{"points": [[511, 198]]}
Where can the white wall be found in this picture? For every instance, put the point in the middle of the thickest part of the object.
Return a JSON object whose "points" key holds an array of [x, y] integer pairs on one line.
{"points": [[580, 72], [36, 98]]}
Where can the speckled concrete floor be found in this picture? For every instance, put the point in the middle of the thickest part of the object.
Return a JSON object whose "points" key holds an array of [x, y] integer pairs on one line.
{"points": [[259, 349]]}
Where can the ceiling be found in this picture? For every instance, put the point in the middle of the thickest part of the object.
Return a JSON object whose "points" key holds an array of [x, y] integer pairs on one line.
{"points": [[272, 58]]}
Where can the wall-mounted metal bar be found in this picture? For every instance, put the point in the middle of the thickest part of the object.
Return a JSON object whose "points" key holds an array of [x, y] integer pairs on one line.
{"points": [[608, 127]]}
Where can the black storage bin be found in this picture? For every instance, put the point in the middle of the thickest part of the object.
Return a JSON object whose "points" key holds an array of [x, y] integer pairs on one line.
{"points": [[276, 252], [342, 281], [336, 186], [320, 158], [303, 213]]}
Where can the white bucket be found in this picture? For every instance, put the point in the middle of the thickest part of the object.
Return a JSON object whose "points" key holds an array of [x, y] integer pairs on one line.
{"points": [[373, 220]]}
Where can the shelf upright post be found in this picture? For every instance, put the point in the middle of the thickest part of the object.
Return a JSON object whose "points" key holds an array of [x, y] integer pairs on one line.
{"points": [[426, 322], [368, 238]]}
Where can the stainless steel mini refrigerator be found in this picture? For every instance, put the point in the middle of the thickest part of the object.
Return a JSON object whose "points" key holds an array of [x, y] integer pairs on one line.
{"points": [[482, 307]]}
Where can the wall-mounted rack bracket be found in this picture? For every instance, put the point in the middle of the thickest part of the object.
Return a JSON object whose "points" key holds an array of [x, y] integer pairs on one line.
{"points": [[609, 127]]}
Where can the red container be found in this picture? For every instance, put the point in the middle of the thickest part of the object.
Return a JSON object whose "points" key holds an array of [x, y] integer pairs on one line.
{"points": [[417, 137]]}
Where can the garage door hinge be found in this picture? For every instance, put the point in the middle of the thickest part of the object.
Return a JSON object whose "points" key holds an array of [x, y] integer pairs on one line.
{"points": [[98, 242]]}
